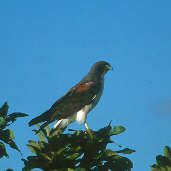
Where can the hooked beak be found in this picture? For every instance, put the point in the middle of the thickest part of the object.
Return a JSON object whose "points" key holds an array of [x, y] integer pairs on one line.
{"points": [[109, 67]]}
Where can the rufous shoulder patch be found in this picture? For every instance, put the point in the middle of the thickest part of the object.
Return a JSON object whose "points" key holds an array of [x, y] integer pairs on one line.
{"points": [[82, 87]]}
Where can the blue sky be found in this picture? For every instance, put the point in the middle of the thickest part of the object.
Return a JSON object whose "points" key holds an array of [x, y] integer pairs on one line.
{"points": [[48, 46]]}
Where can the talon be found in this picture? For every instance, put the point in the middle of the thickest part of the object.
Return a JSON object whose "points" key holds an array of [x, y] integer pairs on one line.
{"points": [[88, 130]]}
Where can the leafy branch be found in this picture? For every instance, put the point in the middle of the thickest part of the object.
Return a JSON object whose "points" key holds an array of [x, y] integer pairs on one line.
{"points": [[7, 135], [77, 151], [163, 163]]}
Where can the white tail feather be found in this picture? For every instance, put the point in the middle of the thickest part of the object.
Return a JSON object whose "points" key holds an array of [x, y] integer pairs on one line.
{"points": [[62, 123]]}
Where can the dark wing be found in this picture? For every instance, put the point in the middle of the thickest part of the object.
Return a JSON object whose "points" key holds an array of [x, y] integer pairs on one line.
{"points": [[79, 96]]}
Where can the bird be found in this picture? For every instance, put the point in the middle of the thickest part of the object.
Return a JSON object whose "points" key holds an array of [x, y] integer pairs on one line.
{"points": [[78, 101]]}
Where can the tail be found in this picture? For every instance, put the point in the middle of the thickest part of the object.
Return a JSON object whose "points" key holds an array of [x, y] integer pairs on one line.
{"points": [[42, 118]]}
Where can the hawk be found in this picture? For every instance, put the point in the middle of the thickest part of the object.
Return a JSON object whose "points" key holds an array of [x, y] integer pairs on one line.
{"points": [[78, 102]]}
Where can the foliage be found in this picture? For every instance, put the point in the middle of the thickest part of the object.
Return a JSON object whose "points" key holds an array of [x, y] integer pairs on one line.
{"points": [[77, 151], [163, 163], [7, 135]]}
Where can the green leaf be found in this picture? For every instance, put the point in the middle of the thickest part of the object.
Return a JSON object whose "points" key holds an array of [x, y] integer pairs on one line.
{"points": [[12, 117], [41, 144], [45, 157], [117, 130], [103, 132], [80, 169], [32, 149], [34, 144], [4, 110], [5, 136], [11, 134], [77, 169], [110, 153], [122, 162], [14, 146], [167, 152], [42, 137], [34, 162], [3, 122], [155, 167], [162, 160], [61, 150], [75, 156], [26, 169], [3, 150], [47, 128], [126, 151], [43, 134]]}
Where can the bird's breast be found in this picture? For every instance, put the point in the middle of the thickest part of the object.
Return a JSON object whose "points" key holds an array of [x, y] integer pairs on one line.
{"points": [[81, 115]]}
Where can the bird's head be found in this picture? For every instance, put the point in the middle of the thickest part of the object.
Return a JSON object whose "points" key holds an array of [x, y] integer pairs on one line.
{"points": [[100, 68], [97, 71]]}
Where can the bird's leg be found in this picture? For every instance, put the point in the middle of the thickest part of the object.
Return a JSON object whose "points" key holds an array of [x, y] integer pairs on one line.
{"points": [[86, 125], [88, 130]]}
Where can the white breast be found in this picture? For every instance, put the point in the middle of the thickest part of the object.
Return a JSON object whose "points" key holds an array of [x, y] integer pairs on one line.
{"points": [[81, 115]]}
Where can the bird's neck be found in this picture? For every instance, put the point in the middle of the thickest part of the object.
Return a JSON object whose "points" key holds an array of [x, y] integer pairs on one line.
{"points": [[92, 77]]}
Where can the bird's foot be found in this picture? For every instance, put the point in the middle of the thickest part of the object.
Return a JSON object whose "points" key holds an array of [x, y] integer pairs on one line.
{"points": [[88, 130], [90, 133]]}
